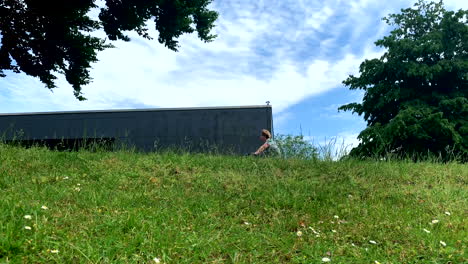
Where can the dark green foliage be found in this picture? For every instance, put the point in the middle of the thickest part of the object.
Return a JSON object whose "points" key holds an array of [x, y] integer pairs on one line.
{"points": [[41, 38], [415, 100]]}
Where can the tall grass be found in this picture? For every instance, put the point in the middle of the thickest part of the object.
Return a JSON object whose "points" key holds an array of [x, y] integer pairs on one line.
{"points": [[130, 207], [298, 147]]}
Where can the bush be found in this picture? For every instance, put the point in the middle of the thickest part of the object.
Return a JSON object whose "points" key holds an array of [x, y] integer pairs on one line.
{"points": [[296, 147]]}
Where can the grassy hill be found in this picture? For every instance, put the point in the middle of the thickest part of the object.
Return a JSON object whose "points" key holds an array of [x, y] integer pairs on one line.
{"points": [[124, 207]]}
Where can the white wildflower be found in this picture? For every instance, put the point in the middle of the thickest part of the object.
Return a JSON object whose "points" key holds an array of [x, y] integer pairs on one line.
{"points": [[376, 262], [78, 184], [77, 189], [435, 221], [157, 260], [246, 223], [65, 178], [333, 230], [372, 242], [27, 228], [326, 259], [317, 235], [299, 233], [447, 213], [443, 243], [352, 244], [427, 231], [29, 217], [55, 251], [44, 207], [336, 217]]}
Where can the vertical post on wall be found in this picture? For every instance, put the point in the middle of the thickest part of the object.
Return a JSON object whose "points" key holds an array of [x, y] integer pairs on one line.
{"points": [[272, 127], [269, 113]]}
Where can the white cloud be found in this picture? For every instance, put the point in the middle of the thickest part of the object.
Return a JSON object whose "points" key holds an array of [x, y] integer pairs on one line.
{"points": [[282, 118], [319, 17], [266, 50], [223, 72], [456, 4]]}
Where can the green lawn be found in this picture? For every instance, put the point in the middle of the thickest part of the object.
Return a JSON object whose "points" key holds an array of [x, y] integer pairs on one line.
{"points": [[125, 207]]}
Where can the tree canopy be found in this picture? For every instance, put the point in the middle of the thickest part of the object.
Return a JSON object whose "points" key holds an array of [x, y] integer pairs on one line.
{"points": [[41, 38], [416, 94]]}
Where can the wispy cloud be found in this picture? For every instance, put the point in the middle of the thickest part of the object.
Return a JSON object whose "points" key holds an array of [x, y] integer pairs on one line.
{"points": [[266, 50], [283, 51], [456, 4], [281, 118]]}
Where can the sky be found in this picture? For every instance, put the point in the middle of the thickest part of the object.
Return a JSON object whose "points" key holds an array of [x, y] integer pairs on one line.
{"points": [[293, 53]]}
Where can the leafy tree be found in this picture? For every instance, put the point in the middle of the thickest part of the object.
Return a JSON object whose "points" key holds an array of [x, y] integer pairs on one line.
{"points": [[41, 38], [415, 100]]}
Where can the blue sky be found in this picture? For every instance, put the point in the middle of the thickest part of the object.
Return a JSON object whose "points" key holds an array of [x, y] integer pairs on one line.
{"points": [[293, 53]]}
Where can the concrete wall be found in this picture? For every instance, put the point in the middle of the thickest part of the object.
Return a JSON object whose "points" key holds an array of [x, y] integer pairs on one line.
{"points": [[235, 128]]}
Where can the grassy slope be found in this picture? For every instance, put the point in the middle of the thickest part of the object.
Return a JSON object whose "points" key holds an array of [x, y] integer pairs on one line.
{"points": [[130, 208]]}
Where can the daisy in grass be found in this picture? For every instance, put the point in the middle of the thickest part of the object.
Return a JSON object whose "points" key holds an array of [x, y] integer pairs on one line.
{"points": [[443, 243], [27, 228], [326, 259], [29, 217], [373, 242], [44, 207], [448, 213], [157, 260], [435, 221], [299, 233], [54, 251]]}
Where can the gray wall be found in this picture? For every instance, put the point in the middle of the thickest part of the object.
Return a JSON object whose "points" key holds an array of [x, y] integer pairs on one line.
{"points": [[234, 128]]}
